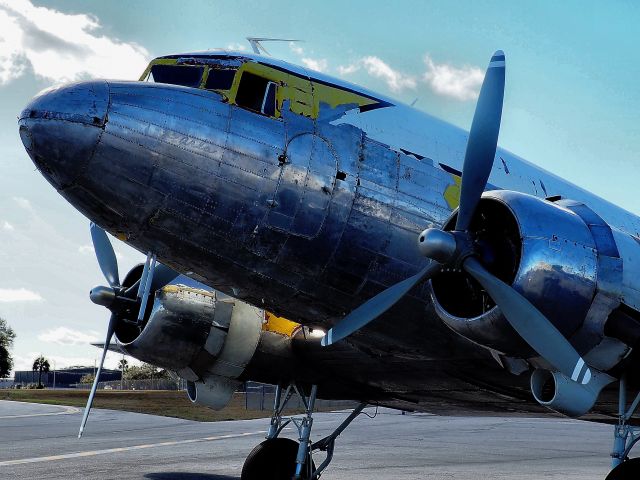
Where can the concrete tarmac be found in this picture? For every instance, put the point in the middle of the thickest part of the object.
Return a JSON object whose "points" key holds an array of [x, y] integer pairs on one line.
{"points": [[40, 442]]}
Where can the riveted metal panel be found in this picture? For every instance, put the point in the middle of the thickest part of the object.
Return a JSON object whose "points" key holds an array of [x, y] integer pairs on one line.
{"points": [[305, 186]]}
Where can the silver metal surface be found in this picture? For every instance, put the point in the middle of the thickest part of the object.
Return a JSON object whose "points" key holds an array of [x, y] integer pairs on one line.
{"points": [[102, 295], [437, 244], [568, 397], [176, 330], [303, 459], [625, 435], [211, 189], [556, 273], [214, 391]]}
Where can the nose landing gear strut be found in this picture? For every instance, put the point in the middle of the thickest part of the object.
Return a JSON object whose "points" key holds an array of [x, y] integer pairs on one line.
{"points": [[280, 458]]}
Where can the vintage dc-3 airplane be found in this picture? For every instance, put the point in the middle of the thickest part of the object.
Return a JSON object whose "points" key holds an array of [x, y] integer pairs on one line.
{"points": [[305, 232]]}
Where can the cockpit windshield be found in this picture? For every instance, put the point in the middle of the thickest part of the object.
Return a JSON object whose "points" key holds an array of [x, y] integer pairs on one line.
{"points": [[185, 75], [257, 85]]}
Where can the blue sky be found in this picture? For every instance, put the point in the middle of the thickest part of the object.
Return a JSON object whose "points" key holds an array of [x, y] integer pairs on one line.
{"points": [[572, 106]]}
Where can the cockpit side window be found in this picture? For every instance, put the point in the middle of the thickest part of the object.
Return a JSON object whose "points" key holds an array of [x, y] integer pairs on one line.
{"points": [[220, 79], [187, 76], [257, 93], [269, 101]]}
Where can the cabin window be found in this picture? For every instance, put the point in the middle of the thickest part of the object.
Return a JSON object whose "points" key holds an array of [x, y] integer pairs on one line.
{"points": [[220, 79], [257, 94], [186, 76]]}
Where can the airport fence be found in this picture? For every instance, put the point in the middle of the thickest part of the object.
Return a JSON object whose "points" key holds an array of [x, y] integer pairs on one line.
{"points": [[146, 384], [255, 396]]}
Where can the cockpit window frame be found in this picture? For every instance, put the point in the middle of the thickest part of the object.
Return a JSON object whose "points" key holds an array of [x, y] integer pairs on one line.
{"points": [[297, 92], [270, 84], [176, 66]]}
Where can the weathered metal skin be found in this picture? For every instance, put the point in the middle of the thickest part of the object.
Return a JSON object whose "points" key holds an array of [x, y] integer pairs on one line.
{"points": [[204, 336], [240, 224], [557, 272], [177, 329], [178, 171], [304, 218]]}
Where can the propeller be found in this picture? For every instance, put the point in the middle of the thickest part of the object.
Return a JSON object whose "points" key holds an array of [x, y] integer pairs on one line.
{"points": [[119, 300], [455, 249], [105, 254], [94, 387]]}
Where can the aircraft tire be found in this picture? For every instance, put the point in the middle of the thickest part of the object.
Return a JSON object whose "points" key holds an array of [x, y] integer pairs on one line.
{"points": [[273, 459], [628, 470]]}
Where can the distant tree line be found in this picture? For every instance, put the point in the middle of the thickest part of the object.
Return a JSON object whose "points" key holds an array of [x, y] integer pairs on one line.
{"points": [[134, 372]]}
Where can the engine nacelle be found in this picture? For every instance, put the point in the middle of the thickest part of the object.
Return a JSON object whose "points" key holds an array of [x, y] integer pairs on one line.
{"points": [[545, 251], [206, 337], [564, 259]]}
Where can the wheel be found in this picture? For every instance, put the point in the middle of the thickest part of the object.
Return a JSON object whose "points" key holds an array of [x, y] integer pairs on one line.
{"points": [[629, 470], [273, 459]]}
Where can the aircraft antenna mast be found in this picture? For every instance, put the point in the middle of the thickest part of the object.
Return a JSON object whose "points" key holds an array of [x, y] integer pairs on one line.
{"points": [[258, 48]]}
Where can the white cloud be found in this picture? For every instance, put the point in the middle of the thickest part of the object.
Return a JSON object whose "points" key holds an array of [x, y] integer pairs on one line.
{"points": [[67, 336], [295, 48], [61, 47], [349, 69], [23, 203], [237, 46], [8, 227], [86, 250], [89, 250], [459, 83], [376, 67], [397, 81], [18, 295], [319, 64]]}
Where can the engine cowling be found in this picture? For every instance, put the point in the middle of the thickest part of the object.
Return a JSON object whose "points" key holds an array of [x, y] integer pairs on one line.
{"points": [[206, 337], [560, 255]]}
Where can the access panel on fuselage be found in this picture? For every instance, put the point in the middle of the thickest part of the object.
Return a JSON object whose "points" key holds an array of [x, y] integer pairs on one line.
{"points": [[305, 186]]}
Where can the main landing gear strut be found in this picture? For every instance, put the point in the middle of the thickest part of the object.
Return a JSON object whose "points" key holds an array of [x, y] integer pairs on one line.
{"points": [[625, 437], [282, 458]]}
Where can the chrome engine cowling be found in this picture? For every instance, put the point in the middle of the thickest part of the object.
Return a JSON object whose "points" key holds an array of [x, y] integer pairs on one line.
{"points": [[545, 250], [206, 337]]}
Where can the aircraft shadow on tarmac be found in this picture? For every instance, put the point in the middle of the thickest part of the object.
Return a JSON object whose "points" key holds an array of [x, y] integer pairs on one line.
{"points": [[187, 476]]}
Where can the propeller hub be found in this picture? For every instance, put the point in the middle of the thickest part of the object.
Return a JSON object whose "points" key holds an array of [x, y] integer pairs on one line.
{"points": [[102, 295], [437, 245]]}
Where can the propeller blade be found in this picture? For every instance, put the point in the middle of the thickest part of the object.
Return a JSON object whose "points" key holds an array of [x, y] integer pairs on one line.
{"points": [[483, 140], [105, 254], [376, 306], [532, 325], [163, 276], [94, 387]]}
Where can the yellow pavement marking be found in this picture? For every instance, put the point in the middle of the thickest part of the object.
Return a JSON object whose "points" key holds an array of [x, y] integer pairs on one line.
{"points": [[92, 453]]}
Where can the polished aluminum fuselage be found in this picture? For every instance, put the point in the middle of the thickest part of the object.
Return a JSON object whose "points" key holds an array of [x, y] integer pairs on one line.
{"points": [[306, 218]]}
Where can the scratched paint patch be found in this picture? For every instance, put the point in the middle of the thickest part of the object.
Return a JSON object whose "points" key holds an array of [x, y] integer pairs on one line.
{"points": [[452, 192]]}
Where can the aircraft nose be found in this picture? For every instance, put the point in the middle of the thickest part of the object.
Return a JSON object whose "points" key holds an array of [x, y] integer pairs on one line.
{"points": [[61, 127]]}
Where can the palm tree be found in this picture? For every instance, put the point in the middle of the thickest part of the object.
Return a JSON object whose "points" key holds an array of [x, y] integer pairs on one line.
{"points": [[40, 365], [123, 365]]}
